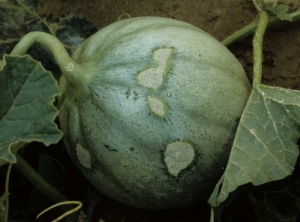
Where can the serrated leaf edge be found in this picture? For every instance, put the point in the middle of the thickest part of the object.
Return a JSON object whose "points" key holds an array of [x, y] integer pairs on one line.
{"points": [[219, 185], [51, 104]]}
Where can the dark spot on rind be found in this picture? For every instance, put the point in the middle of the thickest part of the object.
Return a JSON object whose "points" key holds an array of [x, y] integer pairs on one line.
{"points": [[110, 148]]}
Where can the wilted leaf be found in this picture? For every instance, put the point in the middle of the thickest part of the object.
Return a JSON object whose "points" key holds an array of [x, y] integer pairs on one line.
{"points": [[264, 148], [27, 92]]}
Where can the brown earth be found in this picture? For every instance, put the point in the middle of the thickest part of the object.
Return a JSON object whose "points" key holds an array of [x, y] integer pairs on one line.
{"points": [[220, 18]]}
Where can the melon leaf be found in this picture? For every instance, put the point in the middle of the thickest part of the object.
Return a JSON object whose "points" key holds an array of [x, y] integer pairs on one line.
{"points": [[264, 148], [280, 11], [27, 113]]}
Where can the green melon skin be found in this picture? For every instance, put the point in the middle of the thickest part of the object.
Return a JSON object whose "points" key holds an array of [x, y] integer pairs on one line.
{"points": [[153, 123]]}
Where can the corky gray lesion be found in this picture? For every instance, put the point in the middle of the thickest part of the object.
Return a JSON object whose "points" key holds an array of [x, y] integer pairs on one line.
{"points": [[178, 156], [83, 156], [157, 106], [153, 77]]}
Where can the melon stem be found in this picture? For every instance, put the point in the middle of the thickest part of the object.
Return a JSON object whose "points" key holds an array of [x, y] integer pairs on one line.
{"points": [[73, 72], [263, 19]]}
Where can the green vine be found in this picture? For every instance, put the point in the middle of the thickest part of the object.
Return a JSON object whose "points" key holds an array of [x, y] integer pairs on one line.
{"points": [[212, 214], [250, 28], [38, 182], [257, 5], [7, 191], [257, 47]]}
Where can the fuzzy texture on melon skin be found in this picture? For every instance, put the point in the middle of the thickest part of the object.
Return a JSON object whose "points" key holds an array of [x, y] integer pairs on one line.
{"points": [[118, 126]]}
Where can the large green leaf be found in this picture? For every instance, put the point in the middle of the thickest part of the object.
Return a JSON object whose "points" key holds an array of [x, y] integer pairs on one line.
{"points": [[264, 148], [27, 93]]}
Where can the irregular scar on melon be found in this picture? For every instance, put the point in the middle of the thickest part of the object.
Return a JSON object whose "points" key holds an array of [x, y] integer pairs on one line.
{"points": [[83, 156], [157, 106], [153, 77], [178, 156]]}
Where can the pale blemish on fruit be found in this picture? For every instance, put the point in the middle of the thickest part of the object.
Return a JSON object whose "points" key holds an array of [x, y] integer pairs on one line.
{"points": [[178, 156], [157, 106], [153, 77], [83, 156]]}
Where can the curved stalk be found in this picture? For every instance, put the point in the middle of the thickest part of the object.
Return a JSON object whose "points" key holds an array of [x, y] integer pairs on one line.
{"points": [[212, 214], [257, 5], [250, 28], [75, 74], [257, 47], [40, 183], [7, 191], [79, 205]]}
